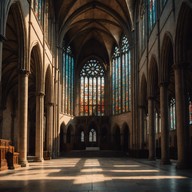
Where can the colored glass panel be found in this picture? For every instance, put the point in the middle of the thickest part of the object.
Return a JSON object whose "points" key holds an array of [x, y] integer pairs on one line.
{"points": [[152, 13], [121, 78], [68, 80], [92, 72]]}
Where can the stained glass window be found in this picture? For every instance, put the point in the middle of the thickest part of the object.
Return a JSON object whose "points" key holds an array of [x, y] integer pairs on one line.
{"points": [[38, 6], [121, 78], [92, 135], [152, 7], [142, 26], [68, 80], [92, 84], [172, 114]]}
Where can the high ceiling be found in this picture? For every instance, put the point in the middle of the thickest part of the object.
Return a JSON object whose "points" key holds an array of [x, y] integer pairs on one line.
{"points": [[93, 27]]}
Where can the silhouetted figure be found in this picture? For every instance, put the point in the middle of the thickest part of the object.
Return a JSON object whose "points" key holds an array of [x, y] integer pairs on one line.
{"points": [[9, 158]]}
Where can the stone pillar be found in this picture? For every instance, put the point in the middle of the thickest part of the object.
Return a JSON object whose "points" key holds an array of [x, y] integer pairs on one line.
{"points": [[39, 126], [23, 117], [50, 128], [182, 130], [164, 124], [152, 153], [141, 127]]}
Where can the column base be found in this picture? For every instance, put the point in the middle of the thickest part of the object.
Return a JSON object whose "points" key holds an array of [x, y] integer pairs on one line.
{"points": [[165, 162], [152, 159], [39, 159], [24, 163], [182, 165]]}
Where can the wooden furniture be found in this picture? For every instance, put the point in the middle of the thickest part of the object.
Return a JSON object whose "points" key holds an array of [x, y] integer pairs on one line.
{"points": [[8, 157]]}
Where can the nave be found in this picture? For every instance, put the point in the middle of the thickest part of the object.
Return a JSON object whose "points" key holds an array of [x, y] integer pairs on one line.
{"points": [[96, 175]]}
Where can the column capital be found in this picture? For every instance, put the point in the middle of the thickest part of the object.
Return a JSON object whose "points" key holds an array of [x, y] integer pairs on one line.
{"points": [[141, 106], [40, 94], [151, 97], [163, 84], [50, 104], [181, 66], [2, 38], [24, 72]]}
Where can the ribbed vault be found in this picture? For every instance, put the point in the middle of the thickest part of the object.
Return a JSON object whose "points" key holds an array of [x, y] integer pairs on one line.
{"points": [[94, 25]]}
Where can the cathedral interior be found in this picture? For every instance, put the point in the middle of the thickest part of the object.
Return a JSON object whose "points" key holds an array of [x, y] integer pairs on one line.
{"points": [[108, 76]]}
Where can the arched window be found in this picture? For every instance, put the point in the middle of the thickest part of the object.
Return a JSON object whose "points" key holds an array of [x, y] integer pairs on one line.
{"points": [[121, 78], [48, 20], [92, 135], [82, 136], [143, 26], [68, 80], [152, 13], [116, 81], [172, 114], [38, 9], [92, 83]]}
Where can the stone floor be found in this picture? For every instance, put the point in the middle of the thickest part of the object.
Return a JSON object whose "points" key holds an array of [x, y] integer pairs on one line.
{"points": [[96, 175]]}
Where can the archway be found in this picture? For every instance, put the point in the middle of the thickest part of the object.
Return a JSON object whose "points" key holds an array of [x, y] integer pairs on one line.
{"points": [[126, 138], [104, 138], [153, 105], [81, 138], [143, 113], [92, 137], [70, 138], [12, 60], [117, 138], [32, 94], [62, 138], [167, 96], [183, 88]]}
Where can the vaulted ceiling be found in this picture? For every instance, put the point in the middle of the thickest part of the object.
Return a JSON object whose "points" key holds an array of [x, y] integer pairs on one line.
{"points": [[93, 27]]}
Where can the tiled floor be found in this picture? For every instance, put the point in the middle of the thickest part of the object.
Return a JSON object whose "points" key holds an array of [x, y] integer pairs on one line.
{"points": [[96, 175]]}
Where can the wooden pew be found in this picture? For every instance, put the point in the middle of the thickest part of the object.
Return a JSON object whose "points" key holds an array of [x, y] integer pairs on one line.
{"points": [[7, 153]]}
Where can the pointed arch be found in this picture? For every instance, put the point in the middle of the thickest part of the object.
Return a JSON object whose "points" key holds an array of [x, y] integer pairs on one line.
{"points": [[153, 77], [143, 92], [166, 60], [183, 32], [48, 85]]}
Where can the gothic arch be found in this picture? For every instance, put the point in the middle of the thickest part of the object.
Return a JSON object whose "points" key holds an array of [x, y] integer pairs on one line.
{"points": [[13, 64], [48, 85], [152, 77], [70, 135], [126, 137], [116, 134], [183, 32], [166, 60], [62, 137], [143, 92], [183, 48]]}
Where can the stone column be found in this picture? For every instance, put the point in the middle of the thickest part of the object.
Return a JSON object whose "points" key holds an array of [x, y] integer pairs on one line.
{"points": [[50, 128], [141, 127], [39, 126], [164, 123], [182, 130], [23, 117], [152, 153]]}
